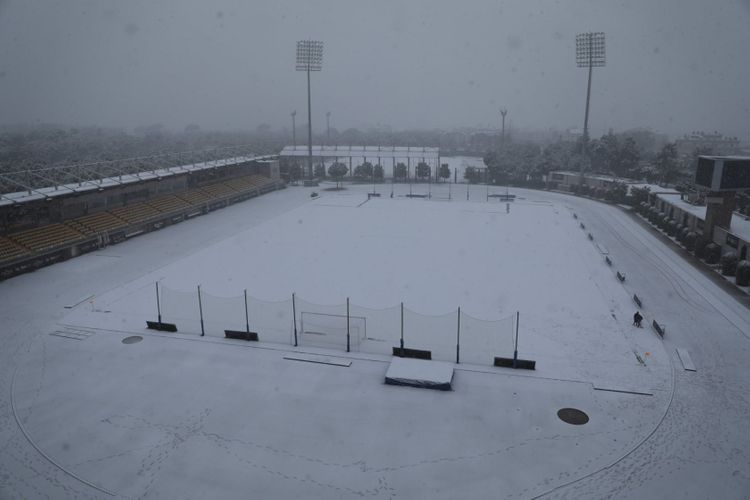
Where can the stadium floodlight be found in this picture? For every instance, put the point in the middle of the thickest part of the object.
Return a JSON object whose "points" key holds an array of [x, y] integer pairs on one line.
{"points": [[294, 129], [328, 127], [589, 54], [503, 112], [309, 58]]}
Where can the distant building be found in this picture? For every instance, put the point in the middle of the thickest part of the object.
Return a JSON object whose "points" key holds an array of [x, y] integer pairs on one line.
{"points": [[717, 143], [565, 180]]}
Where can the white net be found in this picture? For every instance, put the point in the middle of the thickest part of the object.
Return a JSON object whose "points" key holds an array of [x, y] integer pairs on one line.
{"points": [[382, 328], [222, 313], [326, 326], [482, 340], [432, 333], [443, 190], [180, 308], [375, 331], [272, 321]]}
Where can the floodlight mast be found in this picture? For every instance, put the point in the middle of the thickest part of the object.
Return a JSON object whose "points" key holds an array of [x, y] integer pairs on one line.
{"points": [[309, 58], [589, 53], [503, 112], [294, 129]]}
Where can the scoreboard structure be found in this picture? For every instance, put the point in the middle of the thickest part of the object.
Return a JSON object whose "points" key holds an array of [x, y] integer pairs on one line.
{"points": [[723, 173], [722, 177]]}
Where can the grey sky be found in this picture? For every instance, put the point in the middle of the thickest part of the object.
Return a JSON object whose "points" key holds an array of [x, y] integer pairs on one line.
{"points": [[674, 65]]}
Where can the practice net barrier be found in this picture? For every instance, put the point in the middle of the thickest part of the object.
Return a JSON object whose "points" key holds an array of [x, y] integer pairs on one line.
{"points": [[326, 326], [482, 340], [455, 336], [436, 334], [181, 308]]}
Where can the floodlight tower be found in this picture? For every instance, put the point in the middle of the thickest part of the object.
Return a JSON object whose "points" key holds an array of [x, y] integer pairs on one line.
{"points": [[309, 58], [589, 53], [503, 112], [294, 129], [328, 127]]}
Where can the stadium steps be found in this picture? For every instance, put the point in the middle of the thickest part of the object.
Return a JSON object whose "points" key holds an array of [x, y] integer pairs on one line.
{"points": [[49, 236], [168, 203], [241, 183], [218, 190], [135, 214], [194, 197], [9, 249], [97, 223]]}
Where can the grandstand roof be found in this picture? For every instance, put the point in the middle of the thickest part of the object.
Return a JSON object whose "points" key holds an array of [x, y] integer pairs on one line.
{"points": [[369, 151], [93, 185]]}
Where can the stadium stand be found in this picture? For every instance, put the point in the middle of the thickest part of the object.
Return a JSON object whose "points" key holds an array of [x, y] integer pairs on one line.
{"points": [[194, 197], [135, 214], [28, 249], [9, 249], [168, 204], [97, 223], [241, 183], [218, 190], [45, 237]]}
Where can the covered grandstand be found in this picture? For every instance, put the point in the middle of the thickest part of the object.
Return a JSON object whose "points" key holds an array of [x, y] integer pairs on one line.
{"points": [[43, 225]]}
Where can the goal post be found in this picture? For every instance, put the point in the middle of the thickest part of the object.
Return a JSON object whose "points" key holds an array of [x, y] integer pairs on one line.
{"points": [[330, 330]]}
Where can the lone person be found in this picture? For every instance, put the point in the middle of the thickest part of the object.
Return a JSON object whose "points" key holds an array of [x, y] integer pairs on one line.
{"points": [[637, 318]]}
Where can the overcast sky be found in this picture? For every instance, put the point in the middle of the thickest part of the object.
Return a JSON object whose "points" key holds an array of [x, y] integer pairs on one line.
{"points": [[673, 65]]}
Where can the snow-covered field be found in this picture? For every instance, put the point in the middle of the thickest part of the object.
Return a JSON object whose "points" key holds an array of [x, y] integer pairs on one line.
{"points": [[180, 415]]}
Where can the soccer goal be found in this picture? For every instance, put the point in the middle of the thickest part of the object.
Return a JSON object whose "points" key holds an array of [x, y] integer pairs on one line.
{"points": [[330, 330]]}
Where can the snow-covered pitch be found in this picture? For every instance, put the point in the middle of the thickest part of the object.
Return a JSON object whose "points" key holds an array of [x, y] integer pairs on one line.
{"points": [[183, 416]]}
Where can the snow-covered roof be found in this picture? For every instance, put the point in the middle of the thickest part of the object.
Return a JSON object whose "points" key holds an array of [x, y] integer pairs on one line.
{"points": [[674, 199], [740, 225], [655, 188], [600, 177], [369, 151], [94, 185]]}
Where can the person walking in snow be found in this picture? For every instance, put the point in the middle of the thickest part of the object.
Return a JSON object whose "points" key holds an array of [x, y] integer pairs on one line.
{"points": [[637, 318]]}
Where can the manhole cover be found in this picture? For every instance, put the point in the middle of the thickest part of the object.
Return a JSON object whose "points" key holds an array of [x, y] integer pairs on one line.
{"points": [[572, 416], [132, 340]]}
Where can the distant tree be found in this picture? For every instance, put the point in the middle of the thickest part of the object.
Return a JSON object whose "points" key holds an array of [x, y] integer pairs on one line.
{"points": [[295, 172], [472, 174], [363, 171], [423, 170], [639, 194], [320, 171], [629, 159], [337, 171], [666, 162], [445, 171], [617, 192], [378, 172], [400, 171]]}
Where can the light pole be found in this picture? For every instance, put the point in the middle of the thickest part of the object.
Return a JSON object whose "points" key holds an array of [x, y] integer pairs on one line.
{"points": [[328, 127], [503, 112], [294, 129], [589, 53], [309, 58]]}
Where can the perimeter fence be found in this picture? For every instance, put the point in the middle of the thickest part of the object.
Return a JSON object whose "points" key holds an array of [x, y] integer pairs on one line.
{"points": [[454, 336]]}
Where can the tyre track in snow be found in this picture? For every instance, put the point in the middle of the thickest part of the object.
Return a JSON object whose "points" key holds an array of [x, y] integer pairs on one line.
{"points": [[701, 290], [654, 261]]}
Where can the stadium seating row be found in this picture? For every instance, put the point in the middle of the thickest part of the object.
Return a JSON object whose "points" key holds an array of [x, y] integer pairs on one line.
{"points": [[54, 235], [45, 237], [10, 249]]}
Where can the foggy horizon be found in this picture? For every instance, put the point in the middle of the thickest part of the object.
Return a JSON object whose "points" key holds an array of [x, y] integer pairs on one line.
{"points": [[422, 65]]}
